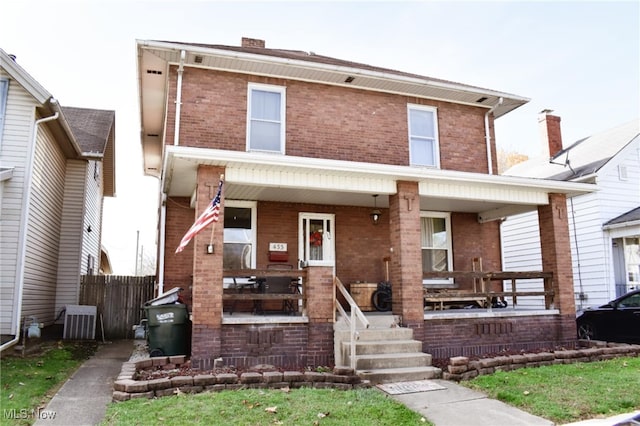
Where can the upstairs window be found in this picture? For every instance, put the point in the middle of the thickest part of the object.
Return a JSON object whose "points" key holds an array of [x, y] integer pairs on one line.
{"points": [[266, 118], [4, 90], [423, 136]]}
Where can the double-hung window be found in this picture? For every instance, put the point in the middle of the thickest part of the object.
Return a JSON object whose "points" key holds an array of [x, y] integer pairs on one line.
{"points": [[435, 233], [423, 136], [266, 118], [4, 90]]}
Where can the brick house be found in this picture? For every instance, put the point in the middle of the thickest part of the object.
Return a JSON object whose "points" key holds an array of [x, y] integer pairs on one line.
{"points": [[310, 147]]}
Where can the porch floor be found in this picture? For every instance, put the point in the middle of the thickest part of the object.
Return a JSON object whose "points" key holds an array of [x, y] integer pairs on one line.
{"points": [[275, 318]]}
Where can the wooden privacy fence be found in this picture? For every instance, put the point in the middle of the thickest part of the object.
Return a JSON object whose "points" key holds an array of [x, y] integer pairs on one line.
{"points": [[119, 300]]}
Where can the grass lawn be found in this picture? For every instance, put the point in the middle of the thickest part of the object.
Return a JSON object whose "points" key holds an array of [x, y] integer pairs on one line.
{"points": [[267, 407], [568, 393], [27, 384]]}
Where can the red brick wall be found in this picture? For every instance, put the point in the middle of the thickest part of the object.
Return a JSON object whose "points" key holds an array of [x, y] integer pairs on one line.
{"points": [[178, 268], [473, 239], [351, 124], [279, 345], [360, 245], [482, 336]]}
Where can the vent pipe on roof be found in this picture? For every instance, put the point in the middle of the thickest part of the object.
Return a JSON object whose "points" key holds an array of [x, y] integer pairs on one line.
{"points": [[487, 134]]}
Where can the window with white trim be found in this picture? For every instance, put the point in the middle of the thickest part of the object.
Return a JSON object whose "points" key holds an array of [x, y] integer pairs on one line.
{"points": [[4, 90], [240, 236], [435, 236], [423, 136], [266, 118]]}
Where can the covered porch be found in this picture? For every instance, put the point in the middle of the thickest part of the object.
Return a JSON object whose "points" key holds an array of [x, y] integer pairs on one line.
{"points": [[287, 200]]}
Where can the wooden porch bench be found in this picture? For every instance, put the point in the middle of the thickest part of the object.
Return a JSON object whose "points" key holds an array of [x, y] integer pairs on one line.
{"points": [[439, 298]]}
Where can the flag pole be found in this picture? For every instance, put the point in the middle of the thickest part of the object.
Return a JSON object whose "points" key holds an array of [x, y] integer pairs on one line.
{"points": [[213, 228]]}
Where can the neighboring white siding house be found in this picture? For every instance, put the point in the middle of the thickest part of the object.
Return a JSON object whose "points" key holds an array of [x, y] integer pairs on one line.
{"points": [[604, 226], [50, 196]]}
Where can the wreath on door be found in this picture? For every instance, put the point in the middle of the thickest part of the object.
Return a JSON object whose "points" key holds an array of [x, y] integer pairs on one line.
{"points": [[315, 239]]}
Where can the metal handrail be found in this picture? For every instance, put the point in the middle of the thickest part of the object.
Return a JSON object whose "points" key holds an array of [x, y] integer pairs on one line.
{"points": [[356, 314]]}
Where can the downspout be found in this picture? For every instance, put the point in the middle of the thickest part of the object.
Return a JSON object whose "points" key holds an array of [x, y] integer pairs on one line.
{"points": [[176, 135], [575, 242], [23, 249], [161, 237], [487, 134]]}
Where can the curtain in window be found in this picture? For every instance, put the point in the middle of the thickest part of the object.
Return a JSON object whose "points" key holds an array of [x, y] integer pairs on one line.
{"points": [[265, 120], [434, 244], [422, 137]]}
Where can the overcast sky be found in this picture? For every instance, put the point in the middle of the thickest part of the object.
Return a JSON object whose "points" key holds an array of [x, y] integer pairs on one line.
{"points": [[581, 59]]}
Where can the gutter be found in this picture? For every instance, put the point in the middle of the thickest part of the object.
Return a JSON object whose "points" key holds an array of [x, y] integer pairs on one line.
{"points": [[163, 221], [176, 135], [487, 133], [23, 249]]}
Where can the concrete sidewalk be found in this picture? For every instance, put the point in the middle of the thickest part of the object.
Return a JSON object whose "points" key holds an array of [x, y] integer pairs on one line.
{"points": [[83, 399], [456, 405]]}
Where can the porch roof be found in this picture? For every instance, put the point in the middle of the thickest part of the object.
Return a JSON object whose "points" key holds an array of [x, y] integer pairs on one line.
{"points": [[268, 177]]}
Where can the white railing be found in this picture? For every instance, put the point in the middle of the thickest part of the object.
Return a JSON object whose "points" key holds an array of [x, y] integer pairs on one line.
{"points": [[355, 315]]}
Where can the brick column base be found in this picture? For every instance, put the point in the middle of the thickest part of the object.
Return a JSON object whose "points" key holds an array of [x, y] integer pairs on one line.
{"points": [[418, 329], [320, 349], [208, 346]]}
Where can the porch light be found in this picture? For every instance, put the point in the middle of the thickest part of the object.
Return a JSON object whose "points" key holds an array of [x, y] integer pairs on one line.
{"points": [[209, 248], [375, 213]]}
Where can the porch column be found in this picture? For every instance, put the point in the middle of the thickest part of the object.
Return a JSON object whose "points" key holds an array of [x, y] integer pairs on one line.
{"points": [[207, 275], [319, 292], [406, 257], [556, 258]]}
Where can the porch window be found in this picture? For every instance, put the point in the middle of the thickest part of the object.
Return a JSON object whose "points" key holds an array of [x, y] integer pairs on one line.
{"points": [[435, 231], [239, 235], [423, 136], [266, 118]]}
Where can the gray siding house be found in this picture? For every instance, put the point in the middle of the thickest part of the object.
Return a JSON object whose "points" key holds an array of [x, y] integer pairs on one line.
{"points": [[56, 165], [604, 225]]}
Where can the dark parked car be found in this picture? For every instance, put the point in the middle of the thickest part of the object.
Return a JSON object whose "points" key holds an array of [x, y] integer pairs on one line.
{"points": [[616, 321]]}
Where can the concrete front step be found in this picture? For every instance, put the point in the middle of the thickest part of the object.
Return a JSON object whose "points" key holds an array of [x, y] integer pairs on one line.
{"points": [[405, 374], [398, 333], [369, 347], [392, 360], [376, 320]]}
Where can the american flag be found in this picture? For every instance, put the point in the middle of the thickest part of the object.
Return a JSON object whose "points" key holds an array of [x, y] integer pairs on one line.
{"points": [[211, 214]]}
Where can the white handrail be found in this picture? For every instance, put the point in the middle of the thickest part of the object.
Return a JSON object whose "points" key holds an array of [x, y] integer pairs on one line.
{"points": [[356, 314]]}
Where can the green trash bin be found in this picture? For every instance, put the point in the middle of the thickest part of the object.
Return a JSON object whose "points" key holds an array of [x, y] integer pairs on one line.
{"points": [[168, 329]]}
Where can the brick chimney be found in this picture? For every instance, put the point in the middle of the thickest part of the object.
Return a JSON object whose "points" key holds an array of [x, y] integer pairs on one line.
{"points": [[551, 133], [252, 42]]}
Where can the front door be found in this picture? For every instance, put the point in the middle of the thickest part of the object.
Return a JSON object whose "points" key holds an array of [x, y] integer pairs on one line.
{"points": [[316, 243]]}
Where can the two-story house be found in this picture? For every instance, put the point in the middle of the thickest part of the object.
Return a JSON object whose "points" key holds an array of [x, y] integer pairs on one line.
{"points": [[604, 225], [56, 165], [341, 170]]}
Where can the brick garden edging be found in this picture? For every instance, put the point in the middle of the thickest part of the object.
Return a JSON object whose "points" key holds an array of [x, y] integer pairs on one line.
{"points": [[461, 368], [125, 387]]}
